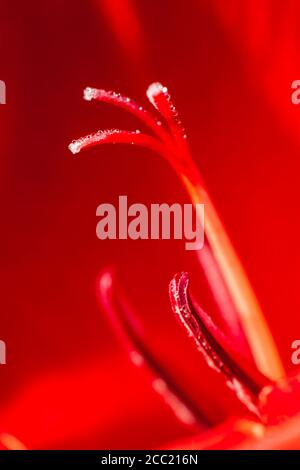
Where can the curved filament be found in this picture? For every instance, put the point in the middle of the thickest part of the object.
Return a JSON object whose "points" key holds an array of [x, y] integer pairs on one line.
{"points": [[123, 320], [219, 353]]}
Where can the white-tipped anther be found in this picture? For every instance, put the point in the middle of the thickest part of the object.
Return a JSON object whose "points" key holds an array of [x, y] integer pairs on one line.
{"points": [[154, 90], [74, 147], [89, 94]]}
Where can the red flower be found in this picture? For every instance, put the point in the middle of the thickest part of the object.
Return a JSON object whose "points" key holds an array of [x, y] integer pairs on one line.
{"points": [[67, 382], [246, 357]]}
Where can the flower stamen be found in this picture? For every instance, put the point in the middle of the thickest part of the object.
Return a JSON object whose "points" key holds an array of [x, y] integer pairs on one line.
{"points": [[219, 353], [173, 147], [129, 331]]}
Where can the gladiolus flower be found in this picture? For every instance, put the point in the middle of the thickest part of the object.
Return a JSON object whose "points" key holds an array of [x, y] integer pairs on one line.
{"points": [[244, 353]]}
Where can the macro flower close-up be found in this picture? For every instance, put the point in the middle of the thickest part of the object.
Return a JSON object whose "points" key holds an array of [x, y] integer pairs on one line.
{"points": [[150, 288]]}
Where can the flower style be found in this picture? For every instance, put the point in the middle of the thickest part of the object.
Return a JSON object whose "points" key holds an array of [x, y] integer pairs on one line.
{"points": [[244, 353]]}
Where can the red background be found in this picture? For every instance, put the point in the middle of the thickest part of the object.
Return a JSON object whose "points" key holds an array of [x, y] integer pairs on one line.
{"points": [[229, 67]]}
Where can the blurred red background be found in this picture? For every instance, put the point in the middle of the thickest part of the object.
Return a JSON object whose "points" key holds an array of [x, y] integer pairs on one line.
{"points": [[229, 66]]}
